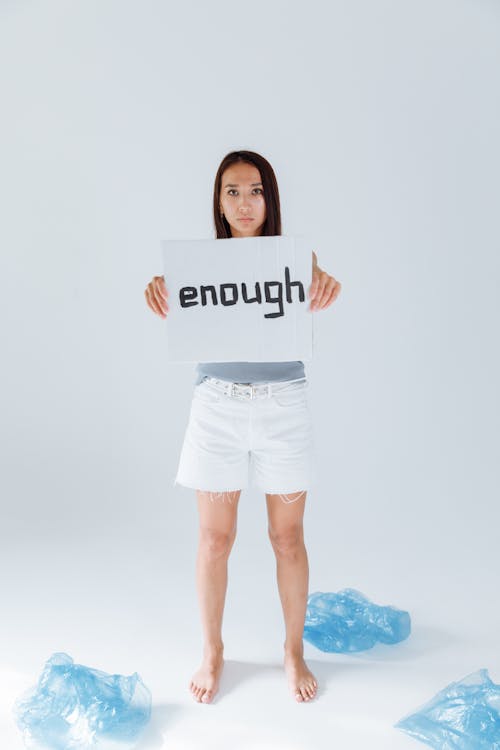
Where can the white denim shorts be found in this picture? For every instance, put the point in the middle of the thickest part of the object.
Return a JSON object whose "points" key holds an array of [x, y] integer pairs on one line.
{"points": [[232, 440]]}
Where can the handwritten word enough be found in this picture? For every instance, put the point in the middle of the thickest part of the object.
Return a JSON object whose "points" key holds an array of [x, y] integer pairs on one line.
{"points": [[229, 295]]}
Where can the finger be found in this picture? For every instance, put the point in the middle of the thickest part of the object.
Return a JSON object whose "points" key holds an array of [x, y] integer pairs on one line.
{"points": [[161, 286], [158, 297], [328, 300], [159, 289], [148, 300], [333, 295], [152, 302], [319, 291], [314, 286], [327, 291]]}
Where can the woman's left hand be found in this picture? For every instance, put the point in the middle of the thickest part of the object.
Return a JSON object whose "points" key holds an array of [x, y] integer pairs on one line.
{"points": [[324, 288]]}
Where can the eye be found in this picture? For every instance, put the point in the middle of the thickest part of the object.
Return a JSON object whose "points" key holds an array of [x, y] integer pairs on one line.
{"points": [[233, 190]]}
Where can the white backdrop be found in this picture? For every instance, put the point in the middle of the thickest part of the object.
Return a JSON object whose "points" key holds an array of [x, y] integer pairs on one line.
{"points": [[381, 120]]}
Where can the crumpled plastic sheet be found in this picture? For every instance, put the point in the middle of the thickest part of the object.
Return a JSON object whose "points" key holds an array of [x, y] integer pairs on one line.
{"points": [[347, 621], [465, 715], [74, 707]]}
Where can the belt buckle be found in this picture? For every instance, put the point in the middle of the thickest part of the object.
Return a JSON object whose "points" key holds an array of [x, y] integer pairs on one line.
{"points": [[245, 390]]}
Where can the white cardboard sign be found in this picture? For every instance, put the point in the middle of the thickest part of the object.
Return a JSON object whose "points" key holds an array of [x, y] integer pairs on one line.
{"points": [[241, 299]]}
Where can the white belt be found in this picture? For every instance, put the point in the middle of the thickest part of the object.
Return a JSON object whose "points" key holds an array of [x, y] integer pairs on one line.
{"points": [[248, 390]]}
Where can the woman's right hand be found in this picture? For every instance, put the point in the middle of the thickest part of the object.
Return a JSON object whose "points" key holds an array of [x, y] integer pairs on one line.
{"points": [[156, 296]]}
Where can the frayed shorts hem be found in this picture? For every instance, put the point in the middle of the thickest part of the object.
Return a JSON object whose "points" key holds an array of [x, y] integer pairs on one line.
{"points": [[305, 487], [189, 484]]}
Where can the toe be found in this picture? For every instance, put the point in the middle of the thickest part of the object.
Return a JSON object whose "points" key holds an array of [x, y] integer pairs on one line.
{"points": [[207, 697], [298, 696]]}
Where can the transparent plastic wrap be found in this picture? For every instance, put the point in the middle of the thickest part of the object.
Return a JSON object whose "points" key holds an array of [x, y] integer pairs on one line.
{"points": [[74, 707], [465, 715], [347, 621]]}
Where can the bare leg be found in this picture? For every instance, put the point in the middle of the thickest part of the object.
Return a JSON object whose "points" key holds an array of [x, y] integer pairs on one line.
{"points": [[286, 532], [217, 513]]}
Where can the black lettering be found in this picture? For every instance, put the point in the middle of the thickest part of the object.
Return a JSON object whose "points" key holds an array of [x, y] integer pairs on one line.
{"points": [[279, 299], [258, 293], [204, 295], [187, 293], [229, 294], [234, 289], [289, 284]]}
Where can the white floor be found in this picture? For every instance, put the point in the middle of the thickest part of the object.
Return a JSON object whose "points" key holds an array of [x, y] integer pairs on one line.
{"points": [[123, 605]]}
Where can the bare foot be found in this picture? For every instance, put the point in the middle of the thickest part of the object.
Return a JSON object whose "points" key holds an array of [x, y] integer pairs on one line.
{"points": [[205, 681], [301, 680]]}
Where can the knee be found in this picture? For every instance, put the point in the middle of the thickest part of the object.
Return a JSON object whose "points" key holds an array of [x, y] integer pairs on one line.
{"points": [[215, 544], [287, 541]]}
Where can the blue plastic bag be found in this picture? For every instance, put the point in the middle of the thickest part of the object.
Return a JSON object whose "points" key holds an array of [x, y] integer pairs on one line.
{"points": [[74, 707], [348, 621], [465, 715]]}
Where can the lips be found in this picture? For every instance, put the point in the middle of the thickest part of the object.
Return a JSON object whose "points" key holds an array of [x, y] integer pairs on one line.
{"points": [[246, 219]]}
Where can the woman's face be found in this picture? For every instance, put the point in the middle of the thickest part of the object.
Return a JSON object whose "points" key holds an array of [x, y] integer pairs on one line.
{"points": [[242, 200]]}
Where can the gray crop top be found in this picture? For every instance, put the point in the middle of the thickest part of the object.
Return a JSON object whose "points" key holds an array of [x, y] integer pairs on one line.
{"points": [[250, 372]]}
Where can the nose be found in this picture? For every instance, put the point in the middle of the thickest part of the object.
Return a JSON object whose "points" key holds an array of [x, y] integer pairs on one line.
{"points": [[243, 207]]}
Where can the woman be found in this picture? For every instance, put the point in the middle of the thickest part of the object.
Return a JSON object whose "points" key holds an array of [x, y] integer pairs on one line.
{"points": [[246, 204]]}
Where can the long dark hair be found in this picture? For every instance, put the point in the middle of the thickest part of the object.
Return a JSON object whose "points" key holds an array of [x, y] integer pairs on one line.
{"points": [[272, 224]]}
